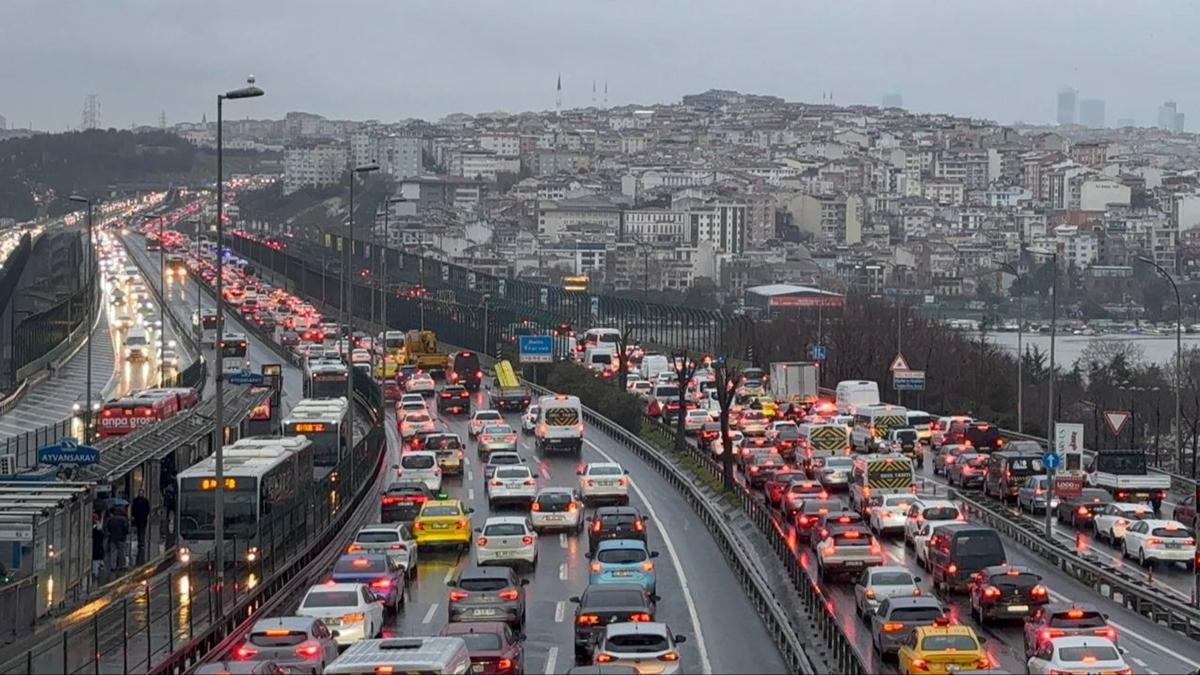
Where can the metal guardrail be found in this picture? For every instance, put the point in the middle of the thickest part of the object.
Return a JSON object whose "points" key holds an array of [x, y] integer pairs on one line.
{"points": [[762, 597]]}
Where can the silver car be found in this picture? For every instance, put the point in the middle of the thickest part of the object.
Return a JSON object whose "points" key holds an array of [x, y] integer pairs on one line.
{"points": [[650, 647], [496, 438], [302, 643], [836, 473], [880, 583], [894, 622]]}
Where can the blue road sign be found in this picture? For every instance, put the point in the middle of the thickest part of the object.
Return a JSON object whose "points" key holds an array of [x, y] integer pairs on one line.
{"points": [[245, 377], [1051, 460], [536, 348], [818, 353], [908, 380], [68, 451]]}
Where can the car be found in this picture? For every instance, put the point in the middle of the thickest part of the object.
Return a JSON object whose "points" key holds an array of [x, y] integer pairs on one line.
{"points": [[402, 500], [847, 549], [889, 513], [623, 561], [904, 441], [943, 646], [404, 408], [924, 510], [835, 474], [897, 618], [487, 594], [454, 399], [640, 388], [302, 643], [603, 482], [443, 521], [498, 437], [391, 390], [168, 359], [1077, 654], [615, 522], [529, 419], [449, 450], [761, 465], [1077, 511], [405, 372], [950, 429], [1185, 512], [877, 584], [608, 604], [809, 510], [1005, 592], [395, 540], [420, 465], [416, 422], [415, 399], [694, 421], [348, 608], [830, 521], [649, 647], [494, 646], [1110, 522], [420, 383], [948, 454], [511, 485], [506, 539], [717, 446], [957, 550], [381, 574], [779, 483], [556, 509], [1152, 541], [1031, 496], [498, 459], [1060, 619], [968, 470], [244, 668], [797, 492], [753, 423], [481, 419]]}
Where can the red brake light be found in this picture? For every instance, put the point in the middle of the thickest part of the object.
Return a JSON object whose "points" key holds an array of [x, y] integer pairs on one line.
{"points": [[381, 583], [587, 620], [508, 594], [991, 592], [245, 653], [455, 596], [527, 540], [640, 617], [1040, 591]]}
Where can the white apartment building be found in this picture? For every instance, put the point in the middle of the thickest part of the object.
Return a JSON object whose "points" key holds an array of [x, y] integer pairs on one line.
{"points": [[484, 164], [504, 145], [723, 224], [943, 192], [557, 218], [314, 164], [1097, 195], [654, 225]]}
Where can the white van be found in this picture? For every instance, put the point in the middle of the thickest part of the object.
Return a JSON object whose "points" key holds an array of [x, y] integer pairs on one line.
{"points": [[854, 394], [441, 655], [560, 423], [654, 363], [137, 345], [600, 358]]}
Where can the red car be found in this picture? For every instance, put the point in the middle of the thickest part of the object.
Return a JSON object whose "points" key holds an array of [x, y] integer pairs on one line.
{"points": [[776, 485], [391, 390], [493, 645]]}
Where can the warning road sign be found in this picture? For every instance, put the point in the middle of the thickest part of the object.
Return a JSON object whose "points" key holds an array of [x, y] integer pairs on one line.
{"points": [[899, 363], [1116, 420]]}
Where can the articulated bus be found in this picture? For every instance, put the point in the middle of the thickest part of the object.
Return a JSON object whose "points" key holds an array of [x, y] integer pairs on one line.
{"points": [[324, 422], [267, 482], [232, 350], [326, 380]]}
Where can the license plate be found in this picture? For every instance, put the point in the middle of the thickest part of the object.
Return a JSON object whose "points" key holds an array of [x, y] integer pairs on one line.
{"points": [[1018, 608], [477, 667], [555, 519], [605, 483], [852, 563], [332, 622], [484, 612], [622, 573], [505, 554], [1174, 545], [441, 526]]}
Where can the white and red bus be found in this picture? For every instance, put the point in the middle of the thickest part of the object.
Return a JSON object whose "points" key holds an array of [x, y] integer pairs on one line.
{"points": [[123, 415], [177, 398]]}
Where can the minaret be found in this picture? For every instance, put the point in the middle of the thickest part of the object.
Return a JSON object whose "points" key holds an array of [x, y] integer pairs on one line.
{"points": [[606, 93], [593, 93], [558, 97]]}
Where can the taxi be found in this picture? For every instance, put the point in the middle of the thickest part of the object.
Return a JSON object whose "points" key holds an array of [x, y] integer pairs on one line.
{"points": [[942, 648], [443, 522], [767, 406], [387, 368]]}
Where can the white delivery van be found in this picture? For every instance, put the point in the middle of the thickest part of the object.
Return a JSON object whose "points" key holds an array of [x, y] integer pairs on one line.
{"points": [[854, 394], [560, 424], [654, 363]]}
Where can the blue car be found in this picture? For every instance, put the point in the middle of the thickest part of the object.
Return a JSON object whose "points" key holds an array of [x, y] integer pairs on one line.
{"points": [[385, 579], [623, 561]]}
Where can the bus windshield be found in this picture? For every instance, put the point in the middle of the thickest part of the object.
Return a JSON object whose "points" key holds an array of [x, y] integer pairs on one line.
{"points": [[328, 385], [233, 349], [325, 438], [196, 506], [209, 321]]}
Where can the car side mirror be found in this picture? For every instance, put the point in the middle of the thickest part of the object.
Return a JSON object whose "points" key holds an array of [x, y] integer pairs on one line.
{"points": [[655, 598], [983, 640], [470, 509], [452, 583], [626, 472], [396, 466], [653, 554], [479, 530], [334, 634], [588, 555], [680, 639], [916, 580], [524, 582], [1123, 651], [520, 637], [578, 472], [574, 599]]}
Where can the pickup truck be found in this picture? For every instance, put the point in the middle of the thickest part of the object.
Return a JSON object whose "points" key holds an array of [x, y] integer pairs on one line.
{"points": [[507, 392], [1124, 474]]}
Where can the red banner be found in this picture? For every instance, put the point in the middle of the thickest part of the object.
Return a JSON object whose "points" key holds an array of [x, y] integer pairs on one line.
{"points": [[806, 301], [1068, 487]]}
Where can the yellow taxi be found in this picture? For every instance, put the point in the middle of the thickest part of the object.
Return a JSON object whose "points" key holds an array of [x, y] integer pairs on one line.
{"points": [[386, 368], [767, 405], [943, 648], [443, 521]]}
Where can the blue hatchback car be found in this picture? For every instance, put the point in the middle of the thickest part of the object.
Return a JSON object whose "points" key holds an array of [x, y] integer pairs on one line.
{"points": [[623, 561], [385, 579]]}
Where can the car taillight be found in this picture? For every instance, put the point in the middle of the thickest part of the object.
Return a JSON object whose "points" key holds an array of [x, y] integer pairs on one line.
{"points": [[245, 653], [530, 482], [604, 658], [353, 618], [482, 541], [918, 664], [1082, 511], [892, 627], [639, 526], [952, 568], [991, 592], [460, 525], [640, 617], [1110, 633], [1040, 591], [527, 540], [869, 593], [509, 594], [803, 521], [587, 619], [496, 483], [1046, 635], [595, 568], [353, 548], [391, 500], [504, 664], [983, 663], [418, 526], [535, 507], [1154, 541], [669, 656], [455, 596], [596, 525]]}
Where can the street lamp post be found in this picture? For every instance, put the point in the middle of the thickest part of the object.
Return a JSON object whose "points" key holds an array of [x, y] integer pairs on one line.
{"points": [[1020, 348], [219, 415], [348, 299], [1050, 389], [1178, 361], [91, 319], [162, 304]]}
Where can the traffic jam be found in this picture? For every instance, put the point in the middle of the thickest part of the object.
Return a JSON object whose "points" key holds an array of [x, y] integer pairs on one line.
{"points": [[470, 507], [859, 488]]}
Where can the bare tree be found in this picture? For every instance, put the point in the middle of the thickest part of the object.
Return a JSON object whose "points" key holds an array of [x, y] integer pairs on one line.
{"points": [[727, 377], [623, 341], [685, 370]]}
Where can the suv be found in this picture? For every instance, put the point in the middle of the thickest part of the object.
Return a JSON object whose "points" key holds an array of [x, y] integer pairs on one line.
{"points": [[604, 604], [956, 551], [615, 522], [488, 594], [1007, 470], [455, 399]]}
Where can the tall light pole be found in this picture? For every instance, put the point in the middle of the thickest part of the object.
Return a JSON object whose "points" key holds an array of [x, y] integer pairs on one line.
{"points": [[219, 415], [1178, 361], [348, 299], [162, 303], [1050, 491], [91, 319], [1020, 347]]}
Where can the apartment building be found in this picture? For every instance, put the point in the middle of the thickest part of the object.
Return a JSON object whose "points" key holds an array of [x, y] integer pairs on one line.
{"points": [[313, 164]]}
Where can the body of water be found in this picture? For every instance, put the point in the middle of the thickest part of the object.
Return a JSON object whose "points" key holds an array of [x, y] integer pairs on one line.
{"points": [[1068, 348]]}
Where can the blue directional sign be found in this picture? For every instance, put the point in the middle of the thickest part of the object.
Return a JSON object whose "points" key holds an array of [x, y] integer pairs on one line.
{"points": [[535, 348], [1051, 460], [908, 380], [245, 377], [68, 451], [817, 353]]}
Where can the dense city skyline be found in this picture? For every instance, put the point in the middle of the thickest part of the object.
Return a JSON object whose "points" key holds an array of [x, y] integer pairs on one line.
{"points": [[142, 59]]}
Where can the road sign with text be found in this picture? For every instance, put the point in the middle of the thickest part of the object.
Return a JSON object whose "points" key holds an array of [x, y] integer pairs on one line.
{"points": [[535, 348], [67, 451], [908, 380]]}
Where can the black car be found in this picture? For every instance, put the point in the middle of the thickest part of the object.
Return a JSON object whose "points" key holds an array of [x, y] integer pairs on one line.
{"points": [[956, 551], [615, 522], [289, 338], [488, 594], [811, 510], [967, 470], [1008, 592], [404, 374], [466, 371], [1079, 511], [832, 522], [454, 398], [402, 501], [602, 604]]}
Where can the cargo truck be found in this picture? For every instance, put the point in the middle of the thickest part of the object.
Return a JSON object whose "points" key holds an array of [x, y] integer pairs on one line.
{"points": [[421, 350], [507, 392], [794, 382]]}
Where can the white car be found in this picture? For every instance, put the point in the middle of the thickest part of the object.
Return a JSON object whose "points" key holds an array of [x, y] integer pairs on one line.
{"points": [[391, 539], [421, 466], [511, 484], [718, 447], [923, 511], [640, 388], [1152, 541], [694, 420], [1077, 654], [1111, 520], [358, 356], [506, 539], [891, 514], [879, 583], [482, 418], [646, 647], [529, 419], [556, 509], [348, 608], [604, 481], [421, 383]]}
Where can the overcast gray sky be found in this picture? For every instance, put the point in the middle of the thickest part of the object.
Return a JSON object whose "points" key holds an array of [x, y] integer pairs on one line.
{"points": [[390, 59]]}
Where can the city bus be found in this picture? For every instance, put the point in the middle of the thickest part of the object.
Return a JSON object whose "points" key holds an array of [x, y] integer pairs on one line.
{"points": [[326, 380], [208, 329], [267, 482], [324, 423], [232, 350], [124, 415]]}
